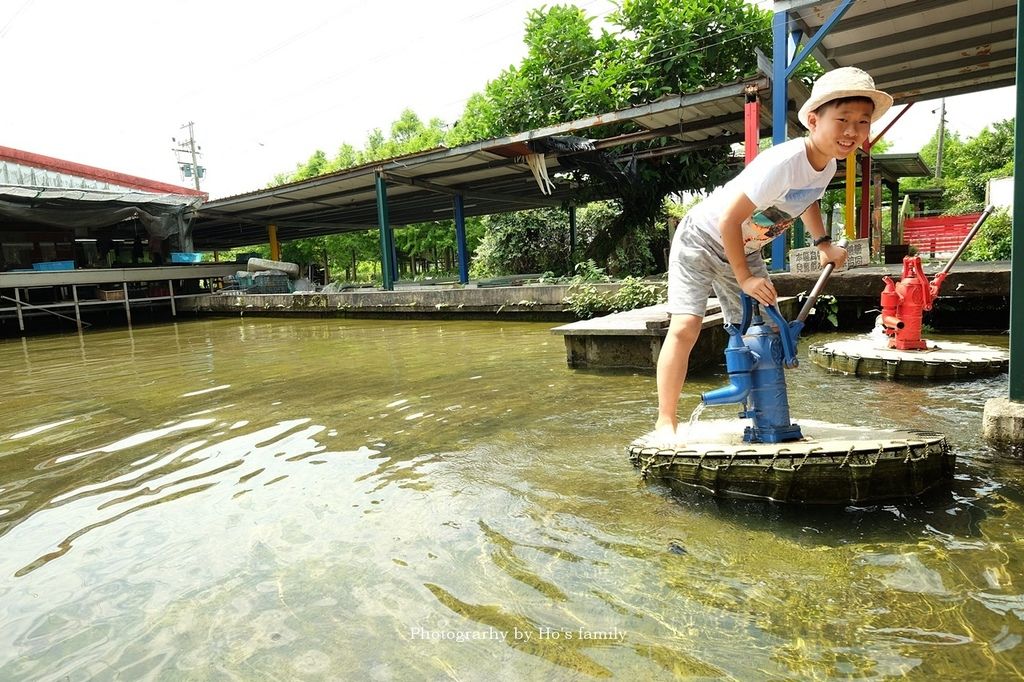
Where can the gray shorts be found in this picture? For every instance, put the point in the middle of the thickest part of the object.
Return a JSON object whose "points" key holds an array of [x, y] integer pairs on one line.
{"points": [[696, 267]]}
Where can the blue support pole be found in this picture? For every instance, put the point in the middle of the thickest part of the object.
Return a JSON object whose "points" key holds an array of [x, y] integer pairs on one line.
{"points": [[780, 101], [460, 239], [386, 251]]}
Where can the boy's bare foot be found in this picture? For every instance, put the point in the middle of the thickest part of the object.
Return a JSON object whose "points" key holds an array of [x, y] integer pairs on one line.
{"points": [[663, 436]]}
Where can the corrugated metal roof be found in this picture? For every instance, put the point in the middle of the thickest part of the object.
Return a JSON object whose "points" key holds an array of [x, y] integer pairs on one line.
{"points": [[492, 175], [39, 195], [13, 173]]}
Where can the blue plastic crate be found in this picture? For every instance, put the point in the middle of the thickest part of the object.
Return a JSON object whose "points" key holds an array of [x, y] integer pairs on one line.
{"points": [[55, 265], [191, 257]]}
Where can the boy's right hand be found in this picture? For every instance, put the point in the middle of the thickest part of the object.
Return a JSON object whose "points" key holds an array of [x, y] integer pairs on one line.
{"points": [[760, 289]]}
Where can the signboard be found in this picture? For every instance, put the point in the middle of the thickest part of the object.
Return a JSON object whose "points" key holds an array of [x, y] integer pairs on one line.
{"points": [[805, 261]]}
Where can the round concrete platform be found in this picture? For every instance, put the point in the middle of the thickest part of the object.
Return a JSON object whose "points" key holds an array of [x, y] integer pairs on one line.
{"points": [[832, 464], [868, 356]]}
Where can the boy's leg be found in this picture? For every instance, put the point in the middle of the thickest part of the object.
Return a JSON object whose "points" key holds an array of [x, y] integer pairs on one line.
{"points": [[673, 362], [691, 269]]}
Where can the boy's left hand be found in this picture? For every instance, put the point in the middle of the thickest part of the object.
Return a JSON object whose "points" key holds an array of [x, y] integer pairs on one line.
{"points": [[832, 254]]}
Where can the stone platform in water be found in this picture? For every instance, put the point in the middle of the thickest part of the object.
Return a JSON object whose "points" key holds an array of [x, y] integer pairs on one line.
{"points": [[868, 356], [832, 464]]}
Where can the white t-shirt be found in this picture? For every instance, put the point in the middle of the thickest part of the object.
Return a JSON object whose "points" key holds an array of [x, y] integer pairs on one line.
{"points": [[780, 182]]}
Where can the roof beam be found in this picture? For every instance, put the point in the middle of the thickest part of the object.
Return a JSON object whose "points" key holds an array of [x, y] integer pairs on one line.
{"points": [[957, 24], [673, 130], [934, 83], [977, 60], [942, 48], [469, 194], [907, 9], [793, 5], [1007, 82]]}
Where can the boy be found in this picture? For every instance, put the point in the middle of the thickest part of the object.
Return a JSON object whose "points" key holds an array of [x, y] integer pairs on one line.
{"points": [[718, 245]]}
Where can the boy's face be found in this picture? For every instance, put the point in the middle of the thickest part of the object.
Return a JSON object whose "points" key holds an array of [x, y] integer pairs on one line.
{"points": [[838, 129]]}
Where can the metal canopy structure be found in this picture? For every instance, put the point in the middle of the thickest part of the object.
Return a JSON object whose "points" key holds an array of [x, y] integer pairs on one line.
{"points": [[891, 167], [492, 176], [916, 49]]}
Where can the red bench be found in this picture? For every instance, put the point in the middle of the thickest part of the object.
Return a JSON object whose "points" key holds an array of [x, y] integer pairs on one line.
{"points": [[938, 234]]}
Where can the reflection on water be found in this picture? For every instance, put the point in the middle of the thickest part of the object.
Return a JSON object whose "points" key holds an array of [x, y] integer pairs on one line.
{"points": [[271, 499]]}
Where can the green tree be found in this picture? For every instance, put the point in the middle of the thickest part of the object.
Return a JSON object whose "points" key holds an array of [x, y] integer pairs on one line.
{"points": [[664, 46], [967, 167]]}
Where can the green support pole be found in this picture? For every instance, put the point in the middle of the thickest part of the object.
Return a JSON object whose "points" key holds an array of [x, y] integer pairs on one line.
{"points": [[386, 251], [1017, 237]]}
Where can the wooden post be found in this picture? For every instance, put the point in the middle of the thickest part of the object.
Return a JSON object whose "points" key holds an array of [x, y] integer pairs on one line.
{"points": [[275, 247], [851, 196]]}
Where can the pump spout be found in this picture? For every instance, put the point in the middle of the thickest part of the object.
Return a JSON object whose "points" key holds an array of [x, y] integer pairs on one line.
{"points": [[740, 362], [892, 322]]}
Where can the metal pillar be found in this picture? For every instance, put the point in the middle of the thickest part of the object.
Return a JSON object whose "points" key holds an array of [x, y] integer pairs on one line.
{"points": [[1017, 235], [386, 248], [78, 309], [460, 239], [17, 308], [170, 290], [127, 306], [785, 60]]}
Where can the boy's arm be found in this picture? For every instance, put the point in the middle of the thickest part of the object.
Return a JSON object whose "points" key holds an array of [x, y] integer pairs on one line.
{"points": [[827, 251], [731, 227]]}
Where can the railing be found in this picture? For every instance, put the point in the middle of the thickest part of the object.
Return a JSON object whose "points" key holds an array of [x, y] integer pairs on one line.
{"points": [[938, 234], [78, 289]]}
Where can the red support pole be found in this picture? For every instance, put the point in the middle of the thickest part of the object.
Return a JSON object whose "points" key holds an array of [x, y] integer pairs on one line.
{"points": [[751, 124]]}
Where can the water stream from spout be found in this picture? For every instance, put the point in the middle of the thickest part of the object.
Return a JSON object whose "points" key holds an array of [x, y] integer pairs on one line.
{"points": [[694, 418]]}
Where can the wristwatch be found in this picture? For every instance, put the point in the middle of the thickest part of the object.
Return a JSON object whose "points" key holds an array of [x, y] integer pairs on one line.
{"points": [[822, 240]]}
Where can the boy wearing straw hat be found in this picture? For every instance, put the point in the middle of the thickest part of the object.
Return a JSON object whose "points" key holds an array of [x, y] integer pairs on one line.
{"points": [[718, 244]]}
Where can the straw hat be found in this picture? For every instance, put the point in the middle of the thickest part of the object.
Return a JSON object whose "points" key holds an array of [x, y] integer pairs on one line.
{"points": [[848, 81]]}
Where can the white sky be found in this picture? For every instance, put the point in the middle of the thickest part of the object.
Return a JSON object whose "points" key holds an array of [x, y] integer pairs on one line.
{"points": [[109, 82]]}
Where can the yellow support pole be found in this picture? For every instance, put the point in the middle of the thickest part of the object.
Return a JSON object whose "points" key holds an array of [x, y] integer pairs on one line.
{"points": [[851, 194], [275, 247]]}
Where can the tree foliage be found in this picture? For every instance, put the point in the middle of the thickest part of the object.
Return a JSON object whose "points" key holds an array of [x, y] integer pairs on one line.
{"points": [[652, 48], [967, 167], [661, 47]]}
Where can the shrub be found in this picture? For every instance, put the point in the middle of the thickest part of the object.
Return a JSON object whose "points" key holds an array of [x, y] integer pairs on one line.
{"points": [[636, 293], [993, 239]]}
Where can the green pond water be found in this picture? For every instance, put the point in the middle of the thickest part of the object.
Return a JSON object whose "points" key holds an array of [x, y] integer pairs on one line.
{"points": [[267, 499]]}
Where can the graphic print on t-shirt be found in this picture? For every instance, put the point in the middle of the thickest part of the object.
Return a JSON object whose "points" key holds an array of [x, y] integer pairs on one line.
{"points": [[764, 226]]}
